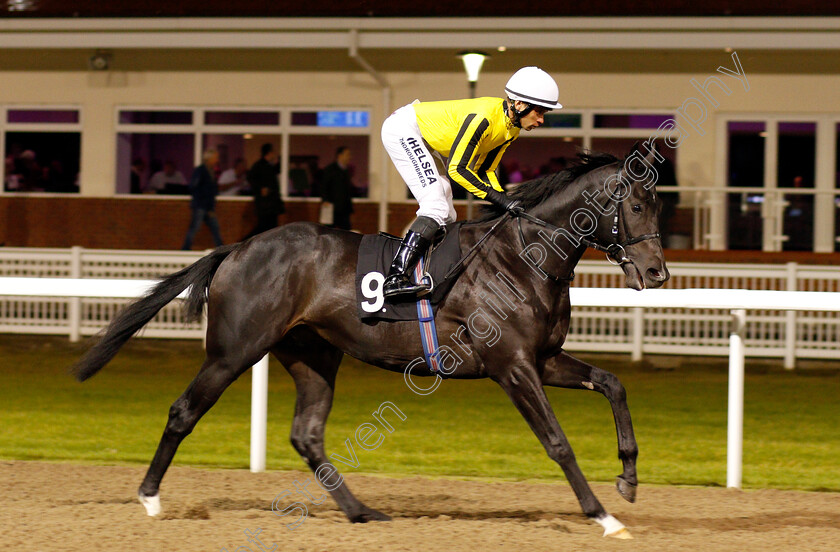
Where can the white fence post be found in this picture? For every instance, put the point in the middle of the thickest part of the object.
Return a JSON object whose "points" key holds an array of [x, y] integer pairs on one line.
{"points": [[735, 416], [790, 321], [638, 333], [259, 414], [74, 310]]}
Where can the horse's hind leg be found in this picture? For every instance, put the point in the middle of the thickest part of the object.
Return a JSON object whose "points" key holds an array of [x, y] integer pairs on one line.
{"points": [[202, 393], [313, 364], [566, 371], [524, 388]]}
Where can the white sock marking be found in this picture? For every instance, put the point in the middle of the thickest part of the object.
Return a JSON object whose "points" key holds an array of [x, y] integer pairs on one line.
{"points": [[151, 503]]}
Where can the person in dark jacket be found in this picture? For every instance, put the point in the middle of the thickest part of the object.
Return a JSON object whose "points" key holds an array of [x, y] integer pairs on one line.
{"points": [[337, 189], [266, 189], [204, 189]]}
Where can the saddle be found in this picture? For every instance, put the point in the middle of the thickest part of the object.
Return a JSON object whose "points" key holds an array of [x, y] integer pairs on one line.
{"points": [[375, 255]]}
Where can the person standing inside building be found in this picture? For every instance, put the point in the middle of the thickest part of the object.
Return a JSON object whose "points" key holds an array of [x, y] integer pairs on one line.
{"points": [[138, 172], [337, 188], [265, 186], [204, 189]]}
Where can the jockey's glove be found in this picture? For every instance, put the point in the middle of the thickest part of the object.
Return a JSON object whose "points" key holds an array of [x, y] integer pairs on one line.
{"points": [[505, 202]]}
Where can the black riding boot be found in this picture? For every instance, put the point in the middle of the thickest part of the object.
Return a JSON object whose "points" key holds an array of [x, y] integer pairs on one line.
{"points": [[398, 284]]}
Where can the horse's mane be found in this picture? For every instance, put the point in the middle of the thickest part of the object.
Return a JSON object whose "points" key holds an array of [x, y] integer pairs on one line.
{"points": [[534, 192]]}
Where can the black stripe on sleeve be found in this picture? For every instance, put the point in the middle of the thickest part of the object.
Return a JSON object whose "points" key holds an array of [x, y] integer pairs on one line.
{"points": [[491, 158], [463, 168], [461, 132]]}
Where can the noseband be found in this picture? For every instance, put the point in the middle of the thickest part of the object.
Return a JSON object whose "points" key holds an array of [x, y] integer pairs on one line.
{"points": [[616, 254], [615, 250]]}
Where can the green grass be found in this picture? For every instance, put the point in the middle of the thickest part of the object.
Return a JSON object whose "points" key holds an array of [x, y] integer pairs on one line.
{"points": [[464, 429]]}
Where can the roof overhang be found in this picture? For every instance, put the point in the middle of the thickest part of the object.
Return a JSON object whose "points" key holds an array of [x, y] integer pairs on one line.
{"points": [[554, 33]]}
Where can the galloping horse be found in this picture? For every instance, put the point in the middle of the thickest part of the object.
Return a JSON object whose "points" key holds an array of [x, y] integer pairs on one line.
{"points": [[291, 292]]}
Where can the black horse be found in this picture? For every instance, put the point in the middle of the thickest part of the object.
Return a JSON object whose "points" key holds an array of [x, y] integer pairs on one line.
{"points": [[291, 292]]}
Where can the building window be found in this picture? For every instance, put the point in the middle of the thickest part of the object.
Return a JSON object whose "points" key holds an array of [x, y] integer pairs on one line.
{"points": [[310, 154], [630, 120], [797, 149], [745, 149], [538, 156], [158, 149], [315, 138], [42, 149], [772, 188], [140, 156], [837, 187]]}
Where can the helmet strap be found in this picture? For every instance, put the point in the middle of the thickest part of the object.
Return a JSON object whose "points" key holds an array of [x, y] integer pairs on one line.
{"points": [[517, 114]]}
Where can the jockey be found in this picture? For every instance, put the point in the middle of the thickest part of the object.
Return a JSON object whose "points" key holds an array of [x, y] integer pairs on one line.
{"points": [[432, 143]]}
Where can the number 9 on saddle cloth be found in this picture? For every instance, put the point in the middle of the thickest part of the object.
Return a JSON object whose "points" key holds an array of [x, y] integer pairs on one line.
{"points": [[375, 255]]}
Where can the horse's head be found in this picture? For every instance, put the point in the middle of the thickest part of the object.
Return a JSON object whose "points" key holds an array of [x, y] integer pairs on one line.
{"points": [[623, 199], [600, 202]]}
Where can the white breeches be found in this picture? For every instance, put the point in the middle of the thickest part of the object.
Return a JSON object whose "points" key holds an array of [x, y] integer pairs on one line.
{"points": [[420, 167]]}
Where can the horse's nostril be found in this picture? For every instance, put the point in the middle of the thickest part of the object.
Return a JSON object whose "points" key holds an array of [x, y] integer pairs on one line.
{"points": [[655, 274]]}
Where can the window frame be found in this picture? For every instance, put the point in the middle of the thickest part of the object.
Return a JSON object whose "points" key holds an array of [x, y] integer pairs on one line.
{"points": [[826, 136], [284, 129], [5, 127]]}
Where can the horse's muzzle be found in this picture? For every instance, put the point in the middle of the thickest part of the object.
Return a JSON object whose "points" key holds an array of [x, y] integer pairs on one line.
{"points": [[655, 277]]}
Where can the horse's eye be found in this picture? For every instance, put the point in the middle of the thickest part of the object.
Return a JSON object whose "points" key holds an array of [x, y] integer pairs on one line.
{"points": [[637, 208]]}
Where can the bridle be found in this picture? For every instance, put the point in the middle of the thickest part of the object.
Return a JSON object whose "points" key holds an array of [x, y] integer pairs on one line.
{"points": [[615, 250], [616, 254]]}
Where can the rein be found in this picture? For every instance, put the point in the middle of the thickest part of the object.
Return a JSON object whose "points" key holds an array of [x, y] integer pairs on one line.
{"points": [[616, 253], [464, 257]]}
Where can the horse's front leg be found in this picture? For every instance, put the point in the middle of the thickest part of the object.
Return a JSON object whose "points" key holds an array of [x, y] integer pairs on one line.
{"points": [[523, 386], [566, 371]]}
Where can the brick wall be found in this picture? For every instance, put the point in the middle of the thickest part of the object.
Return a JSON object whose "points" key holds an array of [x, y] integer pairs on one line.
{"points": [[147, 223], [109, 223]]}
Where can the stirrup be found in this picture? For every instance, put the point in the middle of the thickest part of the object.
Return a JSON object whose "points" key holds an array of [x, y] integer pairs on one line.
{"points": [[406, 289], [430, 286]]}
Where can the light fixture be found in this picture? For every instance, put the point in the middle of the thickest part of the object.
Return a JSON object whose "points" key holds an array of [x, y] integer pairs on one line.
{"points": [[100, 61], [502, 48], [20, 5], [473, 60], [472, 64]]}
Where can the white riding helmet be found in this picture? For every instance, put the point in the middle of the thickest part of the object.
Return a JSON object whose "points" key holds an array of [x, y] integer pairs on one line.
{"points": [[534, 86]]}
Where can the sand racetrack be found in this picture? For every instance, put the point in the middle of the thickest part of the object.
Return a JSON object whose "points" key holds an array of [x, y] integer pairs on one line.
{"points": [[57, 507]]}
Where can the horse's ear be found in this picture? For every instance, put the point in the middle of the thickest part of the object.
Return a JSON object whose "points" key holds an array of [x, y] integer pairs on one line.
{"points": [[652, 153], [635, 148]]}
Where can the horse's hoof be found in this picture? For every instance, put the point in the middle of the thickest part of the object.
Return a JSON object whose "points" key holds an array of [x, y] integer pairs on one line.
{"points": [[622, 533], [151, 503], [625, 489], [370, 515]]}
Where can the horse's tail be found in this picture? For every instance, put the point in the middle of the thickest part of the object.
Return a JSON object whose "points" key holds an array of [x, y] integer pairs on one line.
{"points": [[137, 314]]}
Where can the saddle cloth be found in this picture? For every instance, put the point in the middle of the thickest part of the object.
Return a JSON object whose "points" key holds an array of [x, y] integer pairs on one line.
{"points": [[375, 255]]}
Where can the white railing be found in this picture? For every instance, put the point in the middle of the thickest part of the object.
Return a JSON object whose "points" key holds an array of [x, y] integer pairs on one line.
{"points": [[637, 331], [736, 301], [78, 317], [687, 331]]}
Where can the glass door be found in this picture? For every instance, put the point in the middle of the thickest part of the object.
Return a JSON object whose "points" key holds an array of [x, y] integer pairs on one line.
{"points": [[772, 183]]}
